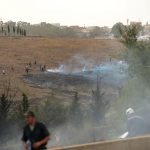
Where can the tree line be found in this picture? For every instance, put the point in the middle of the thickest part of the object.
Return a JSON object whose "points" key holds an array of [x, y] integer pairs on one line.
{"points": [[138, 51], [49, 30], [7, 30]]}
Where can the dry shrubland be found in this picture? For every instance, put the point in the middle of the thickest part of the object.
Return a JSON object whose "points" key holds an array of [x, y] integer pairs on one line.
{"points": [[16, 53]]}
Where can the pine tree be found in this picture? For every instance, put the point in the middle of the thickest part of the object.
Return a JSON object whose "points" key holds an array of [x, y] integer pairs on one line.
{"points": [[8, 28], [14, 30], [25, 103], [76, 115], [5, 106], [2, 31], [99, 106], [18, 29], [24, 32]]}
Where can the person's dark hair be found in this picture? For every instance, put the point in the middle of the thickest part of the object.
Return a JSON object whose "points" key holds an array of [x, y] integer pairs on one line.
{"points": [[29, 114]]}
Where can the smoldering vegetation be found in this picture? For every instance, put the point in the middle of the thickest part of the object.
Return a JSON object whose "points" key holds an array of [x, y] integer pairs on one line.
{"points": [[135, 92], [113, 73], [88, 104], [75, 109]]}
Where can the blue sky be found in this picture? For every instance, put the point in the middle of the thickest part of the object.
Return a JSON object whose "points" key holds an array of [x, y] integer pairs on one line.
{"points": [[76, 12]]}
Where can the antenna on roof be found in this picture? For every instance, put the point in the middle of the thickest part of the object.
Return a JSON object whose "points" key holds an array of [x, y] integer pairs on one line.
{"points": [[127, 22]]}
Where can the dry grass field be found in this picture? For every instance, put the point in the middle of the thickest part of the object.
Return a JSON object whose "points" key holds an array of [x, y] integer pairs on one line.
{"points": [[18, 52]]}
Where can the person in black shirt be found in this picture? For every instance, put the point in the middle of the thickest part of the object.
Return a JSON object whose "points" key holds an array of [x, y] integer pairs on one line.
{"points": [[35, 134]]}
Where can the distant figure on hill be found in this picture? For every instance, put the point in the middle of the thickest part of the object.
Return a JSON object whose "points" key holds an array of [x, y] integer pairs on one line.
{"points": [[3, 72], [35, 62], [27, 69], [35, 134], [12, 69], [41, 67], [30, 65], [110, 59], [44, 67]]}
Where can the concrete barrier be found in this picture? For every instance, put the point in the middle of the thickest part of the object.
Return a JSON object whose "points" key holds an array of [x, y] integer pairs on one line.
{"points": [[138, 143]]}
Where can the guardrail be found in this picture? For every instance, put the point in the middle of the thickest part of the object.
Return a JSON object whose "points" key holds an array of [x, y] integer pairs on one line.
{"points": [[138, 143]]}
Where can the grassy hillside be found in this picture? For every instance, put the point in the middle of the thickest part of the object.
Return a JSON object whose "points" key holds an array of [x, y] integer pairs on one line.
{"points": [[16, 53]]}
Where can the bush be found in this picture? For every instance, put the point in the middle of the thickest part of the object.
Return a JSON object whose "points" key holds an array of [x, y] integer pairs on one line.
{"points": [[52, 112], [76, 114]]}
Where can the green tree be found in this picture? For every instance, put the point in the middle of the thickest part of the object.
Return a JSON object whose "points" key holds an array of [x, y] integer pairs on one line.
{"points": [[130, 34], [5, 107], [23, 107], [99, 32], [8, 93], [25, 103], [2, 31], [8, 29], [14, 30], [52, 112], [138, 58], [76, 115], [5, 33], [99, 105], [118, 30], [137, 53], [24, 33], [18, 30]]}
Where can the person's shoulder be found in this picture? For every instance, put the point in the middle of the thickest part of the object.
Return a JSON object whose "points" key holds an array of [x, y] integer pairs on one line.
{"points": [[139, 118], [41, 124], [136, 118], [26, 127]]}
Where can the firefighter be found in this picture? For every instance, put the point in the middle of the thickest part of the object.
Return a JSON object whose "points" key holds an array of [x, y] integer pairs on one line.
{"points": [[136, 125]]}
